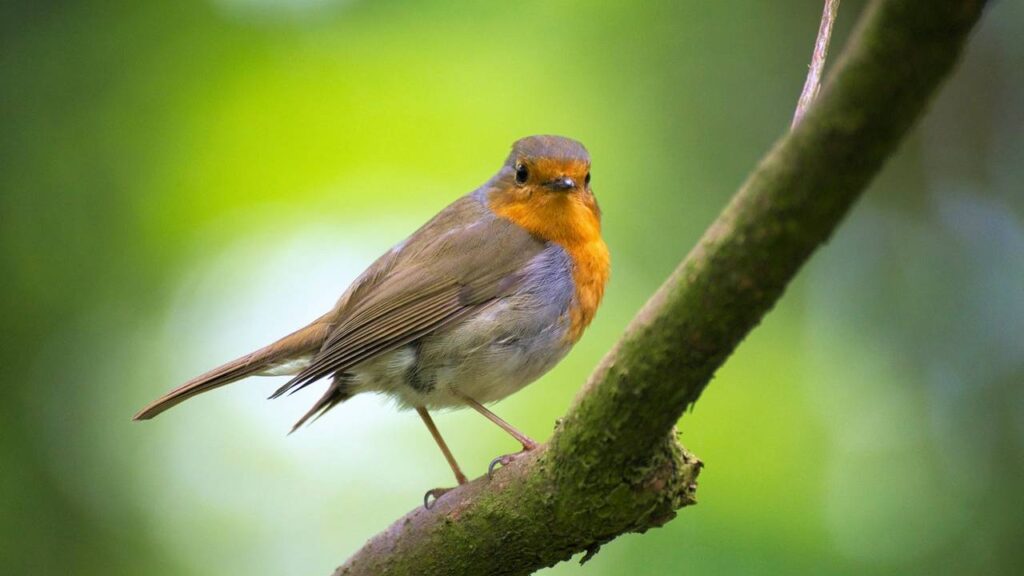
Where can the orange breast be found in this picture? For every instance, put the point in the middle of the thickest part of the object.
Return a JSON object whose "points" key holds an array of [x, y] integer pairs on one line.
{"points": [[573, 222]]}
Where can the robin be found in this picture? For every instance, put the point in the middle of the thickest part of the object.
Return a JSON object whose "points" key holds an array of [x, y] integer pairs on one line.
{"points": [[482, 300]]}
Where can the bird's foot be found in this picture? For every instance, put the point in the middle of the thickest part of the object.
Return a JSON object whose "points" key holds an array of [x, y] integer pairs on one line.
{"points": [[438, 492], [507, 459], [432, 496]]}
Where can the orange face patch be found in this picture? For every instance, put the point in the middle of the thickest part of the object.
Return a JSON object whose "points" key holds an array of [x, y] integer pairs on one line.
{"points": [[572, 220]]}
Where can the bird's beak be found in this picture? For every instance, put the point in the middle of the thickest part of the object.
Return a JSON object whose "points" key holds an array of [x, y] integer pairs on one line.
{"points": [[561, 184]]}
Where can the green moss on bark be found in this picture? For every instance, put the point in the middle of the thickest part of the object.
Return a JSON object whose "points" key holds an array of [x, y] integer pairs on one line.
{"points": [[545, 518]]}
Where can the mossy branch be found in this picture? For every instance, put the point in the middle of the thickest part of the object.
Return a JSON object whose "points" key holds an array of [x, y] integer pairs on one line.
{"points": [[613, 465]]}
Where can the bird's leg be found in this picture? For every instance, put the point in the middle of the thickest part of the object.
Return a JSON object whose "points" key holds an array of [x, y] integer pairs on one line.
{"points": [[459, 476], [528, 444]]}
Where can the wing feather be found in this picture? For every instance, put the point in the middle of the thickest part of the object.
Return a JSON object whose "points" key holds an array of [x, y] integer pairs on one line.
{"points": [[457, 263]]}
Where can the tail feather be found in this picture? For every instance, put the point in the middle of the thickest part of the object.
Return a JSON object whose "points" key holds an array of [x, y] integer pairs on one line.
{"points": [[305, 341], [335, 394]]}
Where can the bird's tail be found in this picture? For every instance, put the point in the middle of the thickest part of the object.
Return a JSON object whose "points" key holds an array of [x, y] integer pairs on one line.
{"points": [[303, 342]]}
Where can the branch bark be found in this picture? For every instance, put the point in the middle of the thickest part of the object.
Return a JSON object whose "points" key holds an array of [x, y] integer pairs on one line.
{"points": [[613, 465], [813, 82]]}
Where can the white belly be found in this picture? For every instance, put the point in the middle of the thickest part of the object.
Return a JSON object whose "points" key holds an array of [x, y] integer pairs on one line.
{"points": [[471, 360]]}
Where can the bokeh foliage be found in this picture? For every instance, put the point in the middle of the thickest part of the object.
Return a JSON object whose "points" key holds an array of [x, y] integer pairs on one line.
{"points": [[183, 181]]}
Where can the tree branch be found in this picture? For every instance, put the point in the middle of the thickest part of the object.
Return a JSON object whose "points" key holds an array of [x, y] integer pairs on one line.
{"points": [[813, 82], [613, 465]]}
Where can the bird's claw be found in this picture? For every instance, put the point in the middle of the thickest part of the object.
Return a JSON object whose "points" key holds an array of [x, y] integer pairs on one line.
{"points": [[507, 459], [436, 493], [502, 460]]}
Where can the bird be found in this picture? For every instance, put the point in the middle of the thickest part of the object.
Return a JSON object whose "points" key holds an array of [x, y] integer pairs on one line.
{"points": [[482, 300]]}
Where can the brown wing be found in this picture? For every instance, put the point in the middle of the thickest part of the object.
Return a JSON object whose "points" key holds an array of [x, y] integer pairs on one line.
{"points": [[459, 261]]}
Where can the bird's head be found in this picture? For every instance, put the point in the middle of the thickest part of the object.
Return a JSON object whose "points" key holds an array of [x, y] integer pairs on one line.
{"points": [[547, 164], [544, 186]]}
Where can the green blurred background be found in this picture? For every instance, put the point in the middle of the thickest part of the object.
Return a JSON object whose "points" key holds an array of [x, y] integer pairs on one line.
{"points": [[181, 182]]}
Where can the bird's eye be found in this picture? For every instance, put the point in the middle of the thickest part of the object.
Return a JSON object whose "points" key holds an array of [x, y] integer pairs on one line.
{"points": [[586, 179], [521, 173]]}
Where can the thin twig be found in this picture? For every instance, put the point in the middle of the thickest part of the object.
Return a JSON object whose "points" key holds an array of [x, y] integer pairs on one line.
{"points": [[813, 82]]}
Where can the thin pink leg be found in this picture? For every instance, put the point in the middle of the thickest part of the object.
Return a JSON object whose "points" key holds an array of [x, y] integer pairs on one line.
{"points": [[459, 476], [526, 441]]}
